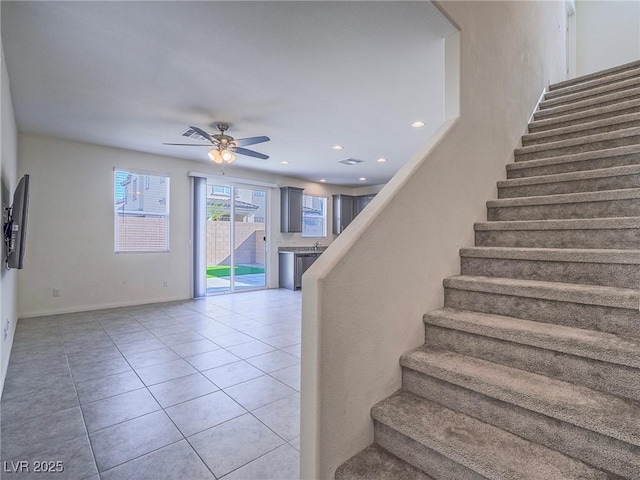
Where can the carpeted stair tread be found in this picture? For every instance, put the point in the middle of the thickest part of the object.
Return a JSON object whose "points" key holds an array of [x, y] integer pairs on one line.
{"points": [[600, 346], [571, 176], [576, 157], [490, 451], [631, 82], [572, 142], [581, 406], [588, 104], [555, 291], [582, 127], [375, 463], [582, 255], [562, 224], [587, 115], [610, 74], [579, 197]]}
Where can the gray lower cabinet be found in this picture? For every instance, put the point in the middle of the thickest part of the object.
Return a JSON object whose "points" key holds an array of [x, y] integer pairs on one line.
{"points": [[291, 209], [292, 265]]}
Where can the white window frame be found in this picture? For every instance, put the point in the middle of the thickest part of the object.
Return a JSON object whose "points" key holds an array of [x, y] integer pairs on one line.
{"points": [[164, 179], [325, 217]]}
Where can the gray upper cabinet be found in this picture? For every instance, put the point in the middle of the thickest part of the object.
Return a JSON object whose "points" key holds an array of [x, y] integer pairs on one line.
{"points": [[343, 212], [345, 209], [291, 209], [362, 201]]}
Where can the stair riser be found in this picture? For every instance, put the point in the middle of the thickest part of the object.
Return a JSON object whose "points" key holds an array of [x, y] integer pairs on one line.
{"points": [[563, 211], [605, 377], [575, 85], [585, 147], [592, 93], [624, 238], [586, 118], [580, 166], [420, 456], [581, 133], [591, 317], [627, 96], [591, 447], [604, 274], [577, 186]]}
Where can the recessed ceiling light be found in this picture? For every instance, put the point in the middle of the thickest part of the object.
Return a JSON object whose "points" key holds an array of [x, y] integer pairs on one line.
{"points": [[337, 147], [322, 180], [362, 179], [417, 124], [284, 162], [382, 160]]}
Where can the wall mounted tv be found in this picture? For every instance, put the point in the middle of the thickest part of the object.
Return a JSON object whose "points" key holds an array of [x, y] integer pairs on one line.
{"points": [[15, 226]]}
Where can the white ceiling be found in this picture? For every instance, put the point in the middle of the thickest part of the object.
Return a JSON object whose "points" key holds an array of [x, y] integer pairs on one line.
{"points": [[307, 74]]}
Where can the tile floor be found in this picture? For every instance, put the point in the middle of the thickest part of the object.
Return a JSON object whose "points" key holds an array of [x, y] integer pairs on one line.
{"points": [[184, 390]]}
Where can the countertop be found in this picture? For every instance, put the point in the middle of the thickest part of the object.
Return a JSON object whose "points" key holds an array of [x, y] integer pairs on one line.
{"points": [[301, 250]]}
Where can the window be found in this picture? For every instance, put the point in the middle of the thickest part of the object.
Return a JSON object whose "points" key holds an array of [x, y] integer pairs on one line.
{"points": [[314, 216], [141, 218]]}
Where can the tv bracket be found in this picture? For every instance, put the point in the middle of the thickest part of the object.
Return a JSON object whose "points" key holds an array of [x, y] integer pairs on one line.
{"points": [[7, 227]]}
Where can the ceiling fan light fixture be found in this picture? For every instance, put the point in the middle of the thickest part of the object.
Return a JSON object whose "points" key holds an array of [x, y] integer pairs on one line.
{"points": [[215, 156], [227, 156]]}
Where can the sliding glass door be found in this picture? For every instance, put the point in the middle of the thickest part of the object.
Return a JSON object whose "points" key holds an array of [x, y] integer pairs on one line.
{"points": [[236, 238]]}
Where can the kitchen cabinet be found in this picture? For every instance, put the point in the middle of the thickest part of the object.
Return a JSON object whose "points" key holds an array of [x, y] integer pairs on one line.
{"points": [[291, 266], [346, 208], [343, 212], [291, 209], [362, 201]]}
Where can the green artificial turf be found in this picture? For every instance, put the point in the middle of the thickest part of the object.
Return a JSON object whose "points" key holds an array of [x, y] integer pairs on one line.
{"points": [[225, 270]]}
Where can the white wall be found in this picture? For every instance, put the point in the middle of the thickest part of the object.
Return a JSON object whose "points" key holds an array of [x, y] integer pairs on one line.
{"points": [[608, 34], [70, 236], [364, 299], [8, 173]]}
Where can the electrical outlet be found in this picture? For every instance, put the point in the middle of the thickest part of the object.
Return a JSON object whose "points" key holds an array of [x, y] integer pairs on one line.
{"points": [[56, 292], [165, 283]]}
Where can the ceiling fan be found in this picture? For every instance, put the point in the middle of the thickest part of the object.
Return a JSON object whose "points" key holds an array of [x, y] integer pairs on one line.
{"points": [[225, 146]]}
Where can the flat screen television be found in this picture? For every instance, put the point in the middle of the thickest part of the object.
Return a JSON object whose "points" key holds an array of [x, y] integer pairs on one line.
{"points": [[15, 227]]}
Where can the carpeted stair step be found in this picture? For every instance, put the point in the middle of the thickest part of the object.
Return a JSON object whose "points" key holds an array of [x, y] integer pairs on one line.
{"points": [[612, 178], [568, 98], [591, 426], [609, 99], [581, 130], [601, 141], [595, 113], [375, 463], [606, 267], [449, 445], [614, 233], [596, 160], [605, 204], [596, 79], [601, 361], [590, 307]]}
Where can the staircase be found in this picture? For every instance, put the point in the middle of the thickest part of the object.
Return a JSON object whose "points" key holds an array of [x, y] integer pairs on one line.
{"points": [[532, 368]]}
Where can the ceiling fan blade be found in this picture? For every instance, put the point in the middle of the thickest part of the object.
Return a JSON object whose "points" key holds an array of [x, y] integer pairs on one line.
{"points": [[250, 153], [190, 144], [203, 133], [241, 142]]}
